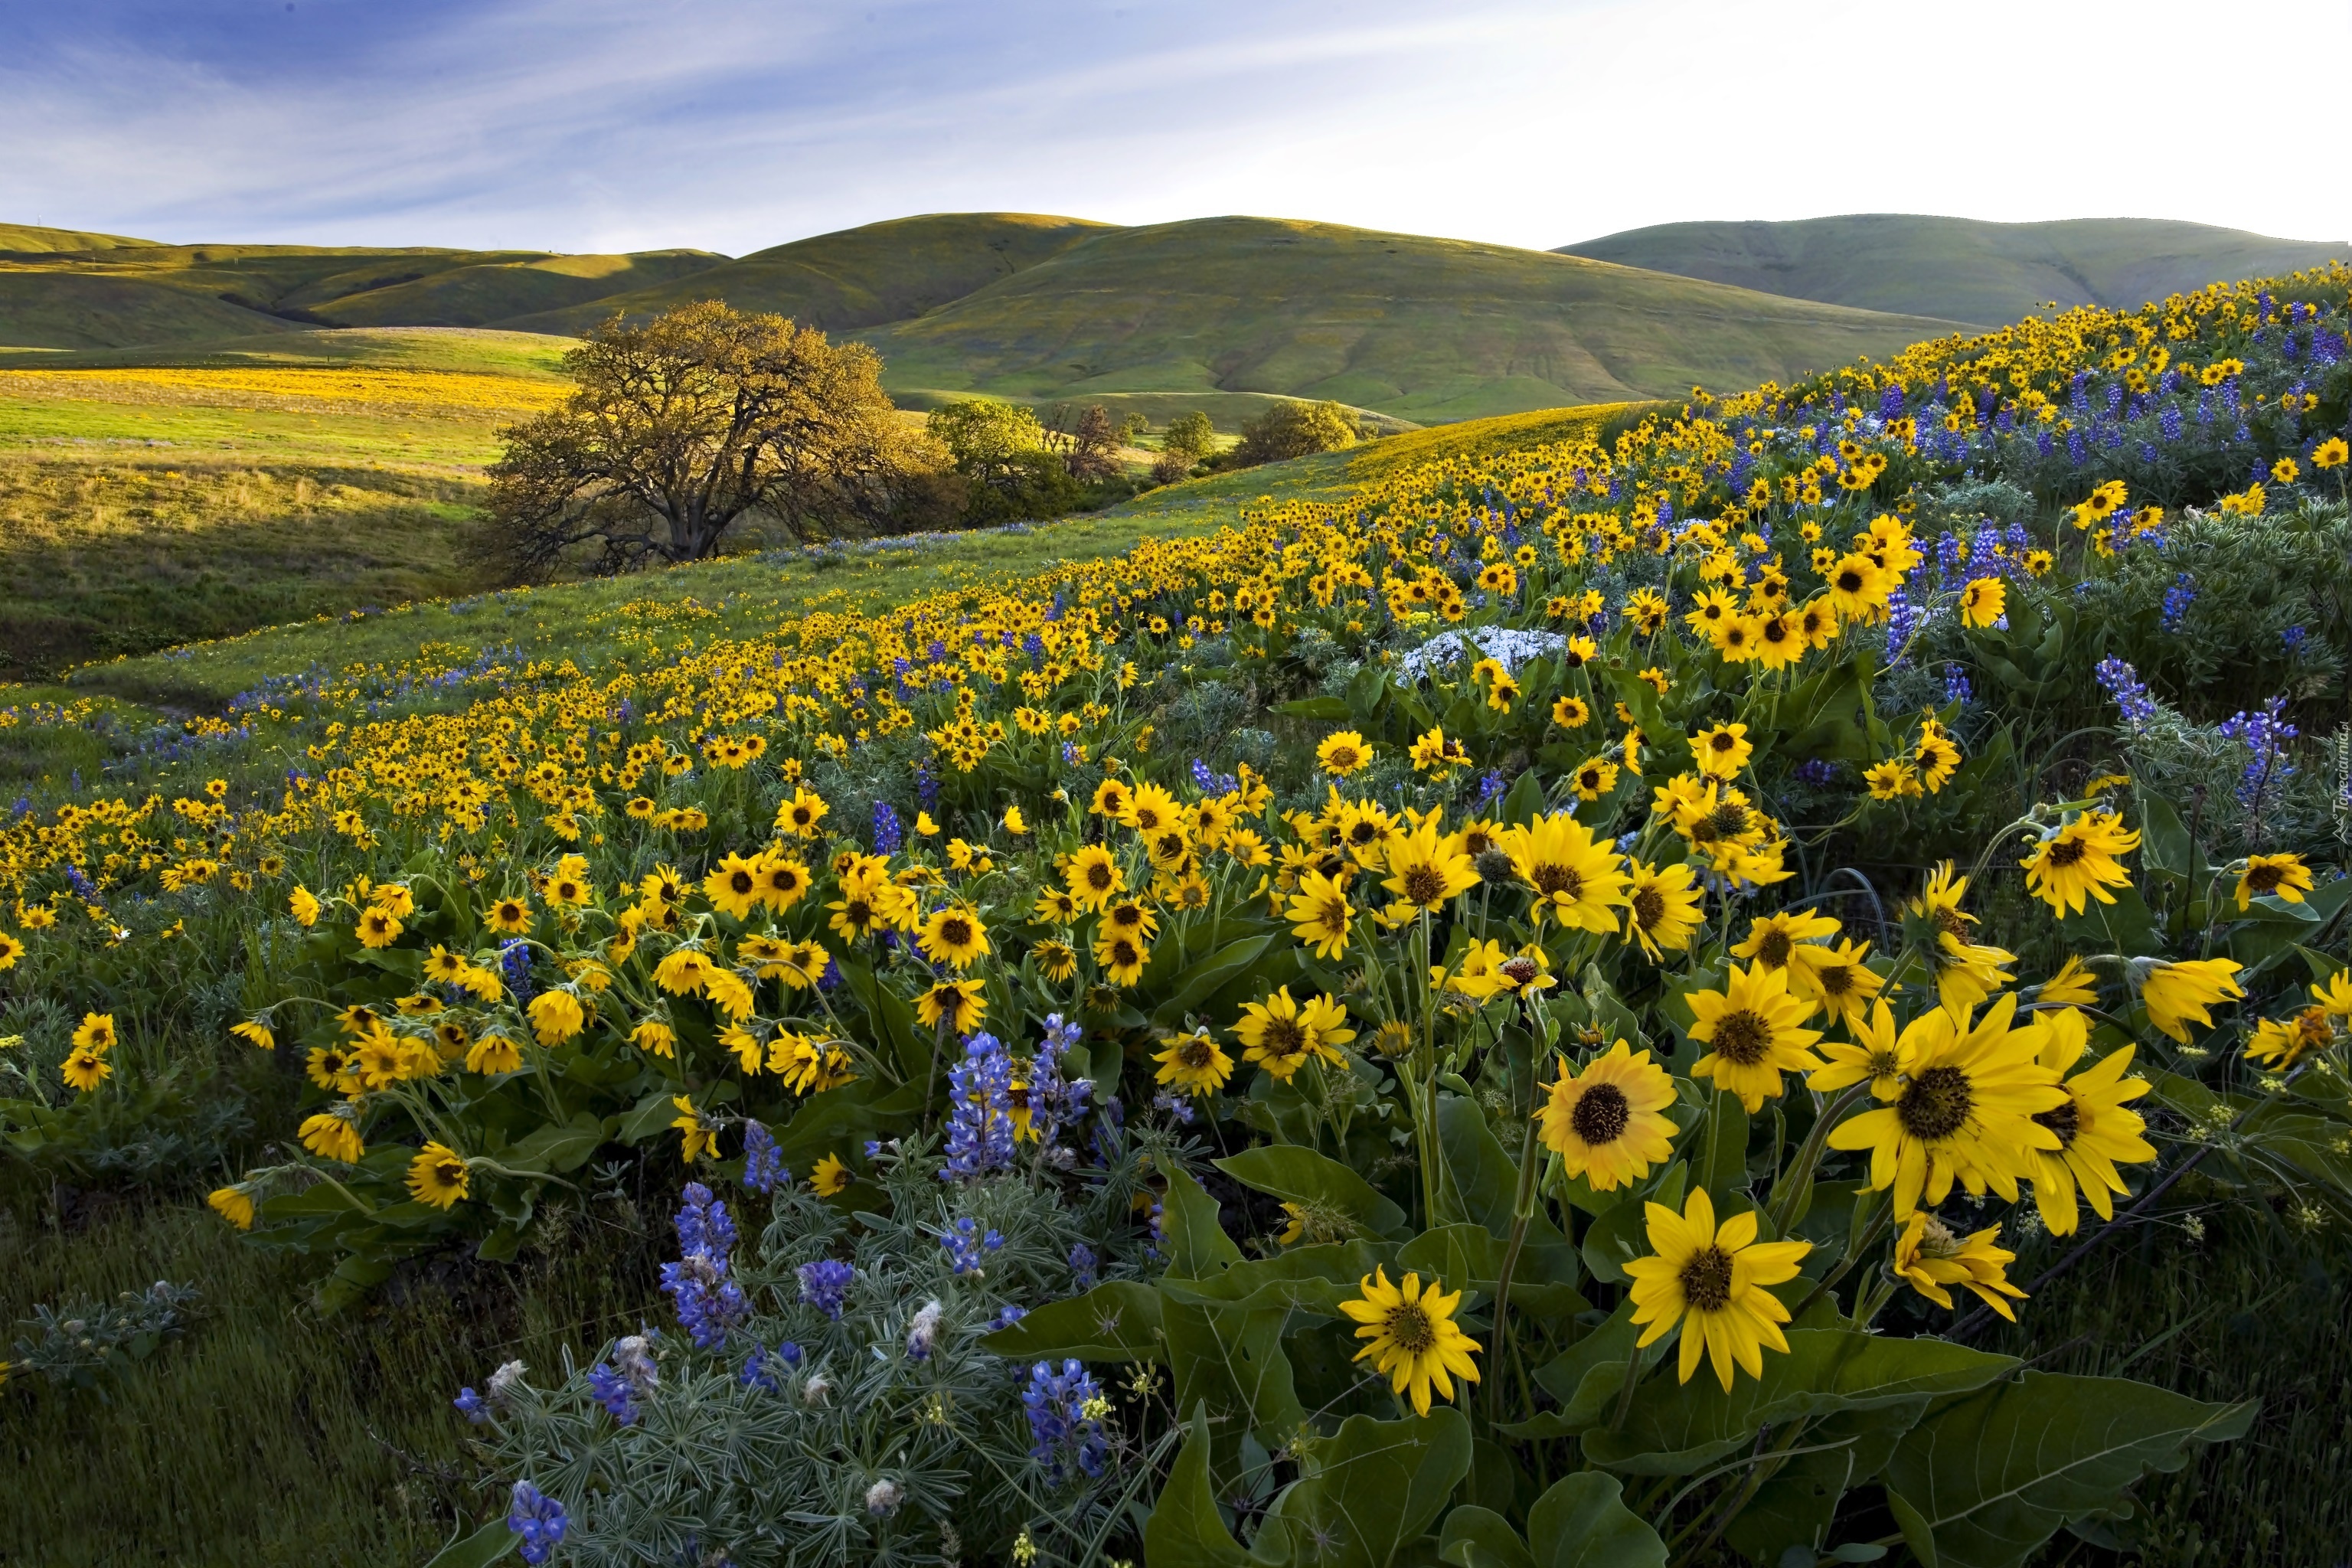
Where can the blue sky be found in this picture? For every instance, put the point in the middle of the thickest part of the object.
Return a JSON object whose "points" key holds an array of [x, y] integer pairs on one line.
{"points": [[617, 124]]}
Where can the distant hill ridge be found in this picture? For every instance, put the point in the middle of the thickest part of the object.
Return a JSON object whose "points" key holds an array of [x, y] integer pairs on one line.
{"points": [[1960, 268], [1220, 314]]}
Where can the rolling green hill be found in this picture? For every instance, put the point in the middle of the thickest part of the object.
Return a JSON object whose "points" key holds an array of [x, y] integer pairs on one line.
{"points": [[492, 291], [28, 239], [135, 294], [1219, 315], [40, 310], [856, 277], [1958, 269], [1426, 329]]}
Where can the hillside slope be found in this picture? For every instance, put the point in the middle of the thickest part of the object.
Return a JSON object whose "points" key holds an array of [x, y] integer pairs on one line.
{"points": [[856, 278], [476, 295], [31, 239], [1958, 269], [124, 294], [1423, 329], [40, 310]]}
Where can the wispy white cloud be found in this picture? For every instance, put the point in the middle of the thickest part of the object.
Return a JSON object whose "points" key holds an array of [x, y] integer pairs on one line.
{"points": [[577, 124]]}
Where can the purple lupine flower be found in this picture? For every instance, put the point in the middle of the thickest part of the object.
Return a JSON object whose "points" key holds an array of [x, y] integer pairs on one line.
{"points": [[472, 1405], [1082, 1267], [2130, 693], [824, 1285], [1061, 1432], [763, 1162], [2265, 735], [2176, 600], [888, 833], [708, 1303], [537, 1519], [980, 1115], [968, 1246]]}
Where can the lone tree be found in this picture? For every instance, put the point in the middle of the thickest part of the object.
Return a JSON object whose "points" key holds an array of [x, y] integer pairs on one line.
{"points": [[687, 423], [1186, 441], [1006, 460], [1293, 429]]}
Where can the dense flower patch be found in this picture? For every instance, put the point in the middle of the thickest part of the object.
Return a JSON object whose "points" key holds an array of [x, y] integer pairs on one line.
{"points": [[1635, 937]]}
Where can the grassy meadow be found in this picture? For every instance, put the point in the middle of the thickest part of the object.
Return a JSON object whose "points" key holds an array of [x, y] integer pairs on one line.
{"points": [[177, 531], [152, 504]]}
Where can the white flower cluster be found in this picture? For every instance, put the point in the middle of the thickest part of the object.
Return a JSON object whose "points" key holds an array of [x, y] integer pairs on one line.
{"points": [[1510, 646]]}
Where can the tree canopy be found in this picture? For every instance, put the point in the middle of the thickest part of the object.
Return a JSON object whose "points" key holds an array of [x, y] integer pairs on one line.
{"points": [[685, 423]]}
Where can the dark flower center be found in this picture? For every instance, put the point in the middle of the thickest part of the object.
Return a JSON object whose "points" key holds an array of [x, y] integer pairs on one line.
{"points": [[1196, 1052], [1775, 948], [1410, 1327], [2066, 1121], [2067, 852], [1649, 908], [1935, 1104], [1706, 1279], [1558, 880], [1742, 1038], [955, 932], [1836, 979], [1285, 1036], [1424, 884], [743, 882], [2266, 879], [1601, 1116]]}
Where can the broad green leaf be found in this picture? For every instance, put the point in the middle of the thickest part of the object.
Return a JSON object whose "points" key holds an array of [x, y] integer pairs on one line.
{"points": [[1797, 1504], [1185, 1531], [1984, 1480], [1477, 1537], [1197, 1244], [558, 1149], [839, 1119], [1485, 1179], [1621, 1235], [1308, 1278], [480, 1550], [1525, 801], [1206, 977], [1314, 1180], [1118, 1319], [1370, 1492], [1232, 1357], [1678, 1428], [1582, 1522], [1720, 1154]]}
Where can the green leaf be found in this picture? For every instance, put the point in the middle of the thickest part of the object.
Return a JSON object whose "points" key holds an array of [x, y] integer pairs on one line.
{"points": [[1185, 1531], [649, 1118], [1720, 1154], [480, 1550], [1985, 1480], [1206, 978], [1477, 1537], [1314, 1278], [1583, 1522], [1232, 1357], [557, 1149], [1316, 1181], [1525, 803], [1118, 1319], [1678, 1428], [1621, 1235], [1197, 1244], [1370, 1492], [1332, 709], [1797, 1505], [1485, 1179]]}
